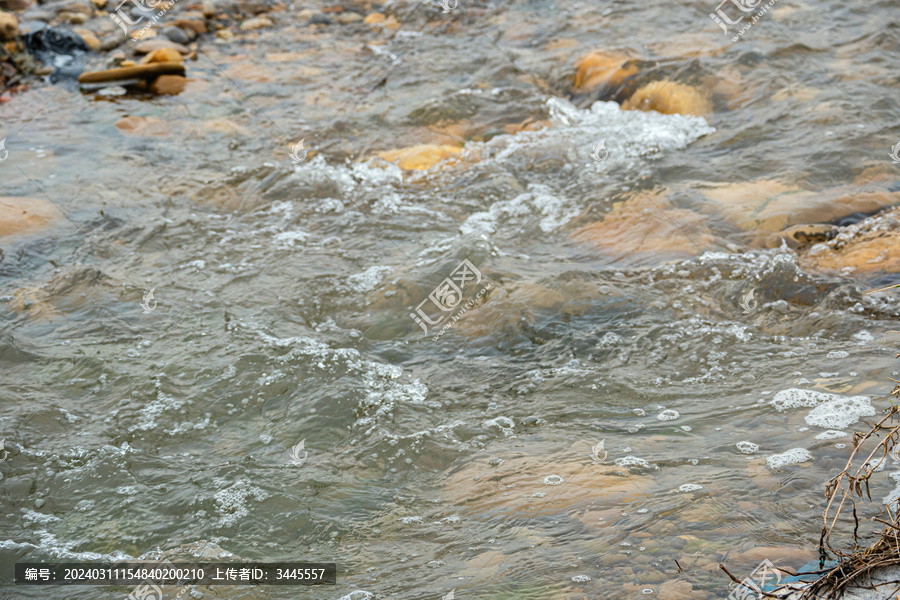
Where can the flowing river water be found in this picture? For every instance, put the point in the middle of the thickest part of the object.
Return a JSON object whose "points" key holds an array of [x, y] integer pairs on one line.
{"points": [[644, 300]]}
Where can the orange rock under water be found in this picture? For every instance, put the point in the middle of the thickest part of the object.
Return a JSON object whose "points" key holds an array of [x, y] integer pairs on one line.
{"points": [[648, 227], [669, 97], [162, 55], [168, 85], [598, 68], [420, 158], [147, 126], [871, 246], [25, 215]]}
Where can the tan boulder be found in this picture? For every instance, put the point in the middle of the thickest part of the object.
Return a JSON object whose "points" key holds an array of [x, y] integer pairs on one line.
{"points": [[250, 72], [25, 215], [9, 26], [195, 25], [421, 157], [256, 23], [530, 484], [675, 589], [143, 126], [162, 55], [597, 69], [869, 247], [769, 205], [781, 556], [648, 228], [149, 46], [669, 97], [168, 85], [89, 38], [374, 18]]}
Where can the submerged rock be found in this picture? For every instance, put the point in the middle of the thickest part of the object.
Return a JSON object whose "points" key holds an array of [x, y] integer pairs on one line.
{"points": [[162, 55], [598, 69], [9, 26], [25, 215], [669, 97], [868, 247], [155, 44], [420, 157], [648, 229], [60, 48]]}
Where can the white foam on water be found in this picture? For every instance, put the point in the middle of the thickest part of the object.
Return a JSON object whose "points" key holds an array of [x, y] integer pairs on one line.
{"points": [[841, 412], [794, 456], [894, 494], [231, 502], [837, 354], [369, 279], [668, 415], [690, 487], [380, 379], [797, 398], [581, 578], [553, 480], [747, 447], [358, 595], [632, 461], [831, 434]]}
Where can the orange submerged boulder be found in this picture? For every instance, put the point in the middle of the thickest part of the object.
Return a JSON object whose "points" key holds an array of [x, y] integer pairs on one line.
{"points": [[421, 157], [669, 97], [596, 69]]}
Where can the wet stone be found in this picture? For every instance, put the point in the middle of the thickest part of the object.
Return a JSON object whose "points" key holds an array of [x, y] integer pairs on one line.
{"points": [[320, 20], [9, 26], [149, 46], [175, 34]]}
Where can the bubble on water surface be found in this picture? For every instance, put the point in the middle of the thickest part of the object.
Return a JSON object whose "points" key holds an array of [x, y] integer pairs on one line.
{"points": [[831, 434], [554, 480], [841, 412], [747, 447], [632, 461], [793, 456], [668, 415], [797, 398], [581, 578], [690, 487]]}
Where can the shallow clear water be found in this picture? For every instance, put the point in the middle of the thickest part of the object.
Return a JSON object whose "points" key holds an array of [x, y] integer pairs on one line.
{"points": [[285, 291]]}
